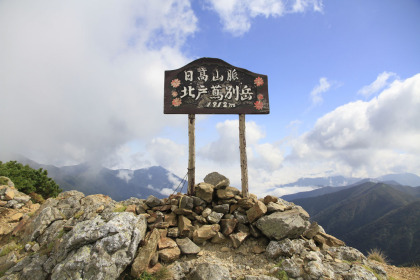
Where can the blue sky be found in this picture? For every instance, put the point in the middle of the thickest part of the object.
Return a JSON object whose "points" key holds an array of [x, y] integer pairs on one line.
{"points": [[84, 82]]}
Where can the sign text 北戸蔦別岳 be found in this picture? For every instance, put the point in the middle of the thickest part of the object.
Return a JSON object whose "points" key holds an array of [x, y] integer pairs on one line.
{"points": [[212, 86]]}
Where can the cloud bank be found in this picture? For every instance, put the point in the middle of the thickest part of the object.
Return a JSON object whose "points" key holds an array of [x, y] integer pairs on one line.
{"points": [[359, 139], [78, 82], [236, 15]]}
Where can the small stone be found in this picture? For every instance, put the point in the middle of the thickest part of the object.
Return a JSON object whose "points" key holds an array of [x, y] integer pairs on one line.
{"points": [[246, 203], [9, 194], [206, 212], [214, 217], [228, 226], [270, 198], [130, 208], [227, 193], [183, 211], [238, 238], [187, 246], [275, 207], [15, 217], [173, 232], [35, 247], [219, 238], [243, 228], [199, 202], [205, 191], [223, 208], [225, 249], [153, 201], [256, 211], [165, 242], [312, 230], [162, 208], [257, 249], [205, 232], [184, 225], [242, 218], [170, 254], [209, 271], [171, 219], [27, 247], [186, 202]]}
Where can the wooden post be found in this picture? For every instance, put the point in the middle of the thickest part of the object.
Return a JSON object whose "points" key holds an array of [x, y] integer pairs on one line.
{"points": [[242, 149], [191, 154]]}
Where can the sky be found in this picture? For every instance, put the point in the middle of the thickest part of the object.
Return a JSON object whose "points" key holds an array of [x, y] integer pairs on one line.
{"points": [[83, 82]]}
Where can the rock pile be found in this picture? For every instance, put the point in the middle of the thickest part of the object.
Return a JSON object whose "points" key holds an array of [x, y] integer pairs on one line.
{"points": [[13, 206], [215, 234]]}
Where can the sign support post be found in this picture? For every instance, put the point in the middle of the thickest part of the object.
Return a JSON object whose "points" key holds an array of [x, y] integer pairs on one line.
{"points": [[191, 154], [242, 150]]}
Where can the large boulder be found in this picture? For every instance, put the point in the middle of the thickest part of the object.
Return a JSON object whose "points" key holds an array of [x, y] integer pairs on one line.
{"points": [[280, 225], [98, 248], [217, 180]]}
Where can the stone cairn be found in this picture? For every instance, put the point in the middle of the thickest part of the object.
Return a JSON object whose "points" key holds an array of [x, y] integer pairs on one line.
{"points": [[94, 237]]}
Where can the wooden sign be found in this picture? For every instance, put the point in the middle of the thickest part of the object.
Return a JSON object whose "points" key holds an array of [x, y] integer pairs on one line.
{"points": [[212, 86]]}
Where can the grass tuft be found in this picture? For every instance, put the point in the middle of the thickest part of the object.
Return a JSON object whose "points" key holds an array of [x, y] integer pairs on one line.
{"points": [[376, 254]]}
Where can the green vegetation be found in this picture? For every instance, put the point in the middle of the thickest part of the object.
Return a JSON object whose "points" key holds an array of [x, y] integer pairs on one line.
{"points": [[120, 208], [29, 180], [281, 274], [374, 273], [9, 248], [79, 214], [377, 255], [161, 274], [3, 181]]}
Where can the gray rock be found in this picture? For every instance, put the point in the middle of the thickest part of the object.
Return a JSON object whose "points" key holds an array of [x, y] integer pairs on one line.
{"points": [[100, 249], [217, 180], [47, 216], [199, 202], [209, 271], [205, 191], [187, 246], [153, 201], [214, 217], [241, 217], [293, 267], [357, 272], [29, 268], [279, 225], [227, 193], [186, 202], [275, 207], [223, 208], [285, 248], [347, 253]]}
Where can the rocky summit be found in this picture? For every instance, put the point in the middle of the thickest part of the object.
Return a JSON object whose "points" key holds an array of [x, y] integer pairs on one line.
{"points": [[215, 234]]}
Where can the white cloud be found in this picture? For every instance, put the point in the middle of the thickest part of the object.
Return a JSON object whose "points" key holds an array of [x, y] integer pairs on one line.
{"points": [[366, 138], [316, 92], [125, 174], [381, 82], [79, 82], [236, 15]]}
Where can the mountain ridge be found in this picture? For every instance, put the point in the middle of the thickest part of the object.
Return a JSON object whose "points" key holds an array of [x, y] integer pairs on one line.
{"points": [[119, 184], [355, 215]]}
